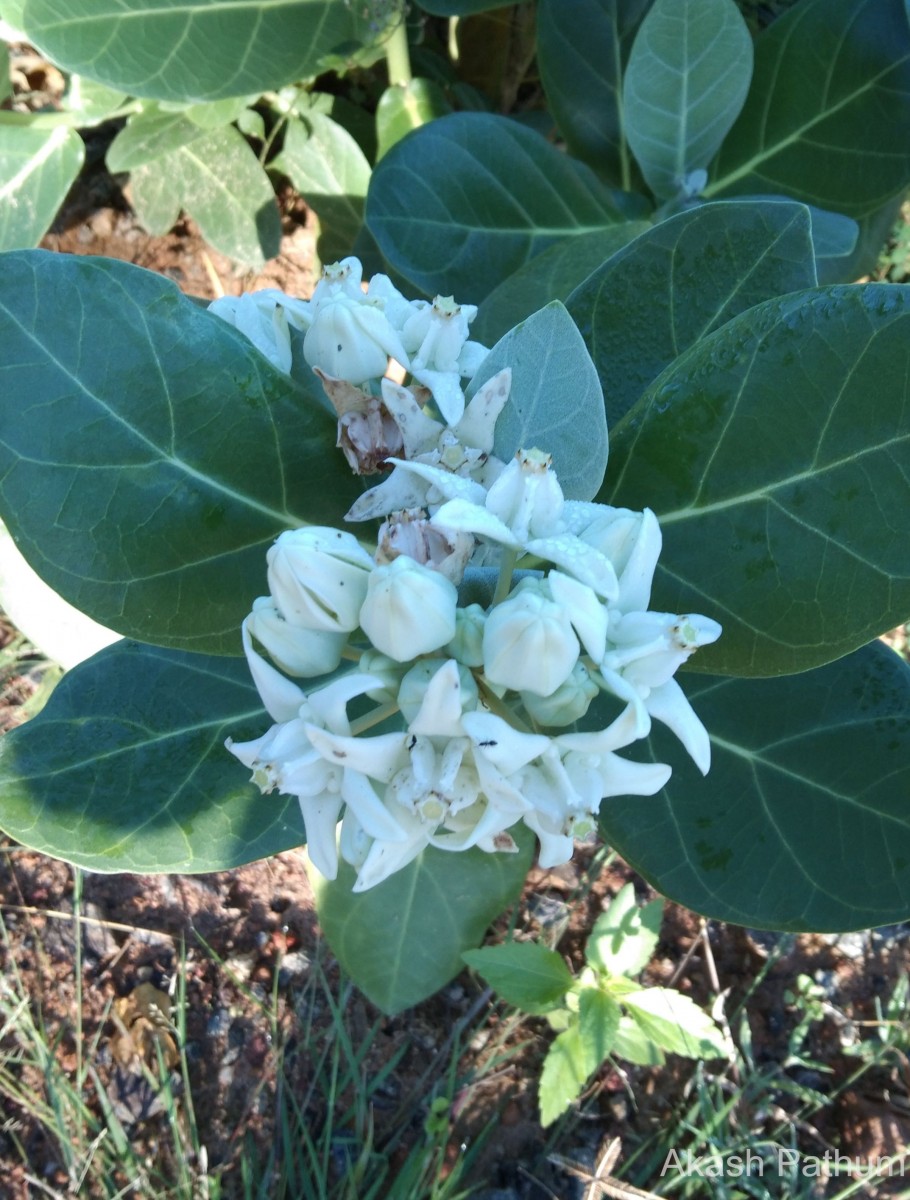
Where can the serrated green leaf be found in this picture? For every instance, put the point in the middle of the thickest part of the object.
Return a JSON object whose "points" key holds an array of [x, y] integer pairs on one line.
{"points": [[461, 203], [195, 51], [552, 275], [675, 1023], [827, 114], [403, 940], [555, 404], [581, 66], [230, 197], [598, 1024], [401, 109], [330, 171], [802, 823], [148, 499], [624, 938], [148, 135], [682, 279], [563, 1075], [125, 768], [685, 84], [525, 974], [632, 1044], [37, 168], [773, 452]]}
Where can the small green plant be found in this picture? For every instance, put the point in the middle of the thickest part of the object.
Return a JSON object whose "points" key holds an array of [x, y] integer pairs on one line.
{"points": [[603, 1010]]}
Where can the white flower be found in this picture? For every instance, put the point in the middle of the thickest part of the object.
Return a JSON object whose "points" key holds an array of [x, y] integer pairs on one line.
{"points": [[632, 542], [436, 335], [285, 759], [348, 337], [409, 610], [433, 451], [318, 578], [645, 650], [265, 318]]}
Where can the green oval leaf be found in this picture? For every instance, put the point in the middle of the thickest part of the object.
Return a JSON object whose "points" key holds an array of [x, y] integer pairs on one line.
{"points": [[331, 172], [775, 453], [827, 116], [461, 203], [148, 135], [564, 1074], [525, 974], [552, 275], [803, 822], [685, 84], [581, 65], [682, 279], [194, 50], [555, 403], [125, 768], [403, 940], [150, 454], [229, 195], [37, 168]]}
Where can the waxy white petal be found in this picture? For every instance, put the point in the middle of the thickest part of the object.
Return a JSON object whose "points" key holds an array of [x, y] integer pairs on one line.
{"points": [[668, 704]]}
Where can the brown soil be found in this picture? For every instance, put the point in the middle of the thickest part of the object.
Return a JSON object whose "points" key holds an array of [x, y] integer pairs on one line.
{"points": [[245, 949]]}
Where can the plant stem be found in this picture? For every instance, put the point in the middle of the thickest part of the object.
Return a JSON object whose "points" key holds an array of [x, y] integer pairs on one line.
{"points": [[397, 55], [368, 720], [504, 582]]}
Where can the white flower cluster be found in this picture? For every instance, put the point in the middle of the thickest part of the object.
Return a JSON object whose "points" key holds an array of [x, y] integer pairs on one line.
{"points": [[474, 704], [351, 333]]}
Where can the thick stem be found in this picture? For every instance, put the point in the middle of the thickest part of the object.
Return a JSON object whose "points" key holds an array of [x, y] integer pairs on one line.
{"points": [[397, 56]]}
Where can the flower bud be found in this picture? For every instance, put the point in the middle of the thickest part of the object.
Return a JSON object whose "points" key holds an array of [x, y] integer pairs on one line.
{"points": [[568, 703], [467, 644], [351, 340], [318, 578], [529, 644], [265, 318], [413, 688], [409, 610], [297, 651], [383, 668], [632, 542]]}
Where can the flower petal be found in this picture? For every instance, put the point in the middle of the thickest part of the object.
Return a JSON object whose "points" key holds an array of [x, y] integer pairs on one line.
{"points": [[669, 705]]}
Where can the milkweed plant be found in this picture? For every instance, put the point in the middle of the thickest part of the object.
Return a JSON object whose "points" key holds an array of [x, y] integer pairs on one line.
{"points": [[382, 592]]}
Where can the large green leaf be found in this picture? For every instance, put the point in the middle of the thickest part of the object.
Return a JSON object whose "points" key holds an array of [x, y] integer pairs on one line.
{"points": [[193, 50], [150, 455], [685, 84], [827, 116], [555, 403], [552, 275], [148, 135], [329, 169], [461, 203], [803, 822], [227, 192], [125, 768], [581, 65], [37, 167], [212, 173], [682, 279], [402, 940], [776, 453]]}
